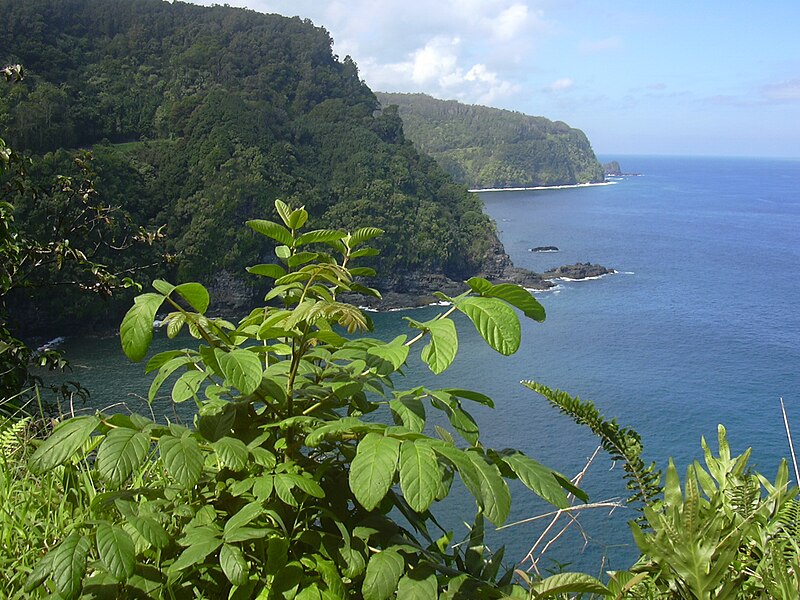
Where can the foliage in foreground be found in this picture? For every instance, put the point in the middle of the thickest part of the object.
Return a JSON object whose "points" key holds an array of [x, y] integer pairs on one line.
{"points": [[285, 486]]}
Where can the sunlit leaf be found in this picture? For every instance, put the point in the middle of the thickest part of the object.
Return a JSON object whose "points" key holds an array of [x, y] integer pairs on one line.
{"points": [[69, 564], [537, 478], [116, 550], [120, 453], [136, 330], [232, 453], [64, 442], [195, 294], [242, 369], [182, 458], [273, 271], [383, 572], [279, 233], [495, 321], [373, 469], [442, 347], [419, 474], [233, 564]]}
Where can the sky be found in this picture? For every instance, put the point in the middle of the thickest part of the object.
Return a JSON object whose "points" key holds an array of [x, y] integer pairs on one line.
{"points": [[684, 77]]}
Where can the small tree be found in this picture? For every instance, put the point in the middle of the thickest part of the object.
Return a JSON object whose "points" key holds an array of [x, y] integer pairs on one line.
{"points": [[283, 487]]}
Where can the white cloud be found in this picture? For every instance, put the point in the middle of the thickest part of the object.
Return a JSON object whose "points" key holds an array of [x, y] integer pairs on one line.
{"points": [[785, 91], [560, 85], [436, 62], [603, 45], [510, 22]]}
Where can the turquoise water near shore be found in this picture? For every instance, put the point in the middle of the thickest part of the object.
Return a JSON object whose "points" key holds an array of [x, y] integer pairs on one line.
{"points": [[699, 327]]}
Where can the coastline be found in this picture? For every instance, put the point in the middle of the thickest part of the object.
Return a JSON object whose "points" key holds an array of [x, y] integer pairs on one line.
{"points": [[544, 187]]}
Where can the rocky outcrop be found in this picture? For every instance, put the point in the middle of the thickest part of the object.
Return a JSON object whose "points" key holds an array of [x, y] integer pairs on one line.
{"points": [[578, 271], [543, 249]]}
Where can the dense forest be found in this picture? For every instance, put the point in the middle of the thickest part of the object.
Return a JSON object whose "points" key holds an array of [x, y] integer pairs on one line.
{"points": [[488, 147], [199, 118]]}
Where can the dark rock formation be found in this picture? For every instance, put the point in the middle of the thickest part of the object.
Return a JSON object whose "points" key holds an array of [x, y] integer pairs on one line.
{"points": [[543, 249], [578, 271]]}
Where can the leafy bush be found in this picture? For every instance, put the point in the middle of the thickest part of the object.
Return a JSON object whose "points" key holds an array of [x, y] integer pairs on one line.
{"points": [[289, 484]]}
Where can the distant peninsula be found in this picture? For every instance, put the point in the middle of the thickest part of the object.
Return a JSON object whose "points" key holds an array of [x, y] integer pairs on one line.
{"points": [[491, 148]]}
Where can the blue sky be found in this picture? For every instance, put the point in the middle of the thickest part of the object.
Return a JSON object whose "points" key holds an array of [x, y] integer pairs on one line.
{"points": [[706, 77]]}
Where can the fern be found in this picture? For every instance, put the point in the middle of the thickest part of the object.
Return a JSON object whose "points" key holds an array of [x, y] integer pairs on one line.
{"points": [[621, 443], [11, 435]]}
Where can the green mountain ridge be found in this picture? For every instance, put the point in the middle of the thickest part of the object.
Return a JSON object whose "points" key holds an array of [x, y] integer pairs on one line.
{"points": [[485, 147], [199, 118]]}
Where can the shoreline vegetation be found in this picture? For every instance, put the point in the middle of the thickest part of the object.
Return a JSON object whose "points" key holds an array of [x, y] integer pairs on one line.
{"points": [[543, 187]]}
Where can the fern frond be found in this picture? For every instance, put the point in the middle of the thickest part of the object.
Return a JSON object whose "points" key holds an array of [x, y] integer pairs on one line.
{"points": [[621, 443], [12, 433]]}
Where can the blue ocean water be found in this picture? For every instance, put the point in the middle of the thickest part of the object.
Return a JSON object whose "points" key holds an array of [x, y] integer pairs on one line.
{"points": [[699, 327]]}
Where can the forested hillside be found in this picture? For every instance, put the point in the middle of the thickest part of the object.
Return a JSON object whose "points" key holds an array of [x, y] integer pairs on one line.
{"points": [[487, 147], [199, 118]]}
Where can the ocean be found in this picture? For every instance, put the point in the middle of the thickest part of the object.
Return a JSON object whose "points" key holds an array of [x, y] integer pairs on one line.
{"points": [[700, 326]]}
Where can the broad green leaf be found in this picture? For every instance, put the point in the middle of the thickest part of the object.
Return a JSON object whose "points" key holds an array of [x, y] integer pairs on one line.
{"points": [[395, 352], [537, 478], [136, 330], [418, 586], [362, 235], [320, 235], [163, 287], [568, 583], [187, 385], [283, 252], [672, 486], [383, 572], [363, 272], [419, 474], [195, 294], [283, 211], [273, 271], [120, 453], [470, 395], [151, 530], [160, 359], [365, 252], [232, 452], [65, 441], [69, 564], [466, 470], [373, 468], [182, 458], [242, 369], [495, 321], [195, 553], [166, 369], [41, 572], [519, 297], [479, 285], [242, 517], [494, 490], [233, 564], [116, 550], [443, 345], [409, 411], [279, 233], [297, 218]]}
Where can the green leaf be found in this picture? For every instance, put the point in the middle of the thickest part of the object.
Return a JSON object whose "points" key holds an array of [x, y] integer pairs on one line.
{"points": [[537, 478], [283, 252], [279, 233], [495, 321], [283, 211], [409, 411], [195, 553], [136, 330], [297, 218], [568, 583], [69, 564], [521, 298], [443, 345], [120, 453], [242, 517], [182, 458], [242, 369], [195, 294], [65, 441], [383, 572], [470, 395], [373, 468], [362, 235], [395, 352], [419, 474], [116, 550], [418, 585], [187, 385], [160, 359], [167, 369], [274, 271], [151, 530], [494, 490], [232, 453], [320, 235], [233, 564]]}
